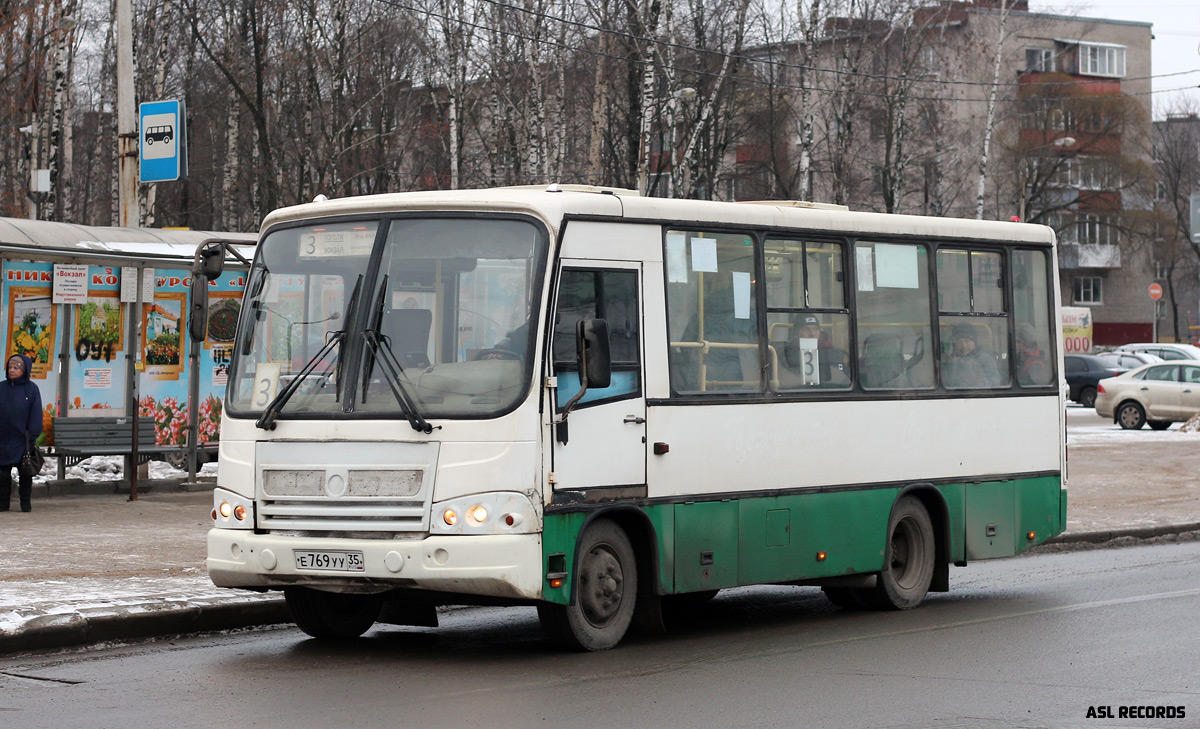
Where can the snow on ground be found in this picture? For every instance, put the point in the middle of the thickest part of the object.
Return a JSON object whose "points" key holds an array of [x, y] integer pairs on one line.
{"points": [[26, 595], [1087, 428], [112, 468]]}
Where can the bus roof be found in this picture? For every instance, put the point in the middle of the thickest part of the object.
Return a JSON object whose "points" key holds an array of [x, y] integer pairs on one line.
{"points": [[553, 203]]}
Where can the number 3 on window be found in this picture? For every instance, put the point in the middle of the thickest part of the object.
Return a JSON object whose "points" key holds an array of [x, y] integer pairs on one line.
{"points": [[266, 379]]}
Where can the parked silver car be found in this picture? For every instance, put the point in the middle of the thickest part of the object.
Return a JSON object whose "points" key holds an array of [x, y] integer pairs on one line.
{"points": [[1128, 360], [1158, 394]]}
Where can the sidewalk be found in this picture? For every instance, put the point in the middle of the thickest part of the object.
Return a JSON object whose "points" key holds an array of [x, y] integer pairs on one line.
{"points": [[92, 566]]}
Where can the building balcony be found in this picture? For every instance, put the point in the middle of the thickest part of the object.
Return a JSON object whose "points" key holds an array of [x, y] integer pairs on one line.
{"points": [[1088, 255]]}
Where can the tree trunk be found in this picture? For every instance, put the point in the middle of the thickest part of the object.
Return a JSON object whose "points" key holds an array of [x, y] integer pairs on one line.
{"points": [[990, 118]]}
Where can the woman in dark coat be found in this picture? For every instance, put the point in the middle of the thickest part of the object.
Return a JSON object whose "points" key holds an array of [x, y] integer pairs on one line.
{"points": [[20, 424]]}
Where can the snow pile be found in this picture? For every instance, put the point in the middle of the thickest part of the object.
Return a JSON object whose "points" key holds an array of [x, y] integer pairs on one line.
{"points": [[112, 468]]}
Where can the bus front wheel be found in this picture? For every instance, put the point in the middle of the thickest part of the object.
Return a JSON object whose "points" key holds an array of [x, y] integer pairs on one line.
{"points": [[908, 557], [332, 614], [605, 592]]}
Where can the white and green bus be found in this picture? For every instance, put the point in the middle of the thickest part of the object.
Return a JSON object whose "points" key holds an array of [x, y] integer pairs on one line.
{"points": [[594, 402]]}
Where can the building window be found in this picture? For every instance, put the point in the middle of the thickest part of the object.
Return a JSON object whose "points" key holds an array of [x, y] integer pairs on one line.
{"points": [[1081, 173], [1039, 59], [1092, 228], [931, 63], [1101, 60], [1089, 290]]}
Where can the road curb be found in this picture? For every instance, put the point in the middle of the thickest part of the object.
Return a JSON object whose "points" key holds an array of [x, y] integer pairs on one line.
{"points": [[1107, 535], [143, 620]]}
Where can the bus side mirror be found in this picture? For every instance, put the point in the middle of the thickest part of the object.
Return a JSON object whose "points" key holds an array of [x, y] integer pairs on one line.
{"points": [[211, 261], [206, 266], [198, 316], [595, 358]]}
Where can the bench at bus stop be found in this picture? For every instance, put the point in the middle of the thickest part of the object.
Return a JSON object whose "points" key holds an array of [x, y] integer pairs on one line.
{"points": [[77, 439]]}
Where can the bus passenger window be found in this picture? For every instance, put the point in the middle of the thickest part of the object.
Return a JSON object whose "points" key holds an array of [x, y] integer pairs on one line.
{"points": [[712, 315], [808, 324], [893, 315], [972, 320], [1032, 307]]}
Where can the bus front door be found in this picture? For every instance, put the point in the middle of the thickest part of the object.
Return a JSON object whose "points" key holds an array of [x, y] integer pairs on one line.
{"points": [[602, 443]]}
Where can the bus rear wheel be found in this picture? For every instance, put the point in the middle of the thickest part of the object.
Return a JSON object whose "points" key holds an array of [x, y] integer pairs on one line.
{"points": [[331, 614], [605, 592], [908, 557]]}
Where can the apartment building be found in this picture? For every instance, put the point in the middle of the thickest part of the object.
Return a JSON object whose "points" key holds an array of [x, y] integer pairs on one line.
{"points": [[901, 120]]}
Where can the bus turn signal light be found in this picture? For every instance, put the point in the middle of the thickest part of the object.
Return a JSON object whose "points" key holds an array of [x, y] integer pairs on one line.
{"points": [[1031, 536], [450, 516], [226, 509], [239, 513], [821, 556]]}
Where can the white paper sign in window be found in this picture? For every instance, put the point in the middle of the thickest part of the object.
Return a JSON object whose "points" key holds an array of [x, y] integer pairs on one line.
{"points": [[677, 258], [741, 295], [866, 268], [810, 363], [896, 266], [704, 254]]}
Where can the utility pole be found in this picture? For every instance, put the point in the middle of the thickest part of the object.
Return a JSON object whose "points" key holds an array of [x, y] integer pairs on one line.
{"points": [[127, 140]]}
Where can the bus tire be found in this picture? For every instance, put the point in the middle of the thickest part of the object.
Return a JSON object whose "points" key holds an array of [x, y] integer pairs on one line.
{"points": [[605, 592], [332, 615], [908, 557]]}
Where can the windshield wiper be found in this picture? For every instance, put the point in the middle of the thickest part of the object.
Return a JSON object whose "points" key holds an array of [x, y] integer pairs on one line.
{"points": [[267, 421], [391, 372], [373, 326]]}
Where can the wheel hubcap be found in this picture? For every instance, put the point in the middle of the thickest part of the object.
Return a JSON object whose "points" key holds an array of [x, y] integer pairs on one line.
{"points": [[906, 552], [601, 583]]}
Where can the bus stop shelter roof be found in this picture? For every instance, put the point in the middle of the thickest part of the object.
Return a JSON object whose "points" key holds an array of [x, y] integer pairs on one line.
{"points": [[43, 239]]}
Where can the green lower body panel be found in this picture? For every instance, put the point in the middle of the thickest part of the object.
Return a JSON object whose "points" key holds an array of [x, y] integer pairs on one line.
{"points": [[706, 545], [1004, 518]]}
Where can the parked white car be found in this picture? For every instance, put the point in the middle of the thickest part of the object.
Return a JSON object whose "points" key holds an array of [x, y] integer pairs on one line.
{"points": [[1168, 352], [1158, 394]]}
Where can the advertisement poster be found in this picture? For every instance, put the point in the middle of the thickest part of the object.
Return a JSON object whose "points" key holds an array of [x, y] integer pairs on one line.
{"points": [[163, 382], [1077, 329], [96, 380], [31, 326]]}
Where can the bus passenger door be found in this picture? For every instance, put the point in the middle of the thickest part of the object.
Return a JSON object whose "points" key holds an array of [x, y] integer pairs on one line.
{"points": [[603, 443]]}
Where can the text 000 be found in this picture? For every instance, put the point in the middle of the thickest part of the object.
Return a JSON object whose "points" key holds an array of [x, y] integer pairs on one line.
{"points": [[340, 561]]}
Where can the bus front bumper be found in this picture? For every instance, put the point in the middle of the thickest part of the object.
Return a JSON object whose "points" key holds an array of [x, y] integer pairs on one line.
{"points": [[507, 566]]}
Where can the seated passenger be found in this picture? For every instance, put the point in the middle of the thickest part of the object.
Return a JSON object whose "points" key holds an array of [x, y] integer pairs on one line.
{"points": [[968, 365], [1033, 362], [831, 362]]}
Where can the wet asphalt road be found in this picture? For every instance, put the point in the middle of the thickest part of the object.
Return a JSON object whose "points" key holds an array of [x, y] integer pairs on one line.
{"points": [[1026, 642]]}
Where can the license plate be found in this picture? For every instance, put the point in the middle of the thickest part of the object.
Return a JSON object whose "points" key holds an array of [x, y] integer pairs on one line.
{"points": [[329, 560]]}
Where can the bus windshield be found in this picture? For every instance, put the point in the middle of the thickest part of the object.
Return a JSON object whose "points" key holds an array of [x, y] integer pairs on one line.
{"points": [[434, 324]]}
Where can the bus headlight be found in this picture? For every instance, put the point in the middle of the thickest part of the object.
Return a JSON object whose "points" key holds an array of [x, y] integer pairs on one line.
{"points": [[501, 512], [232, 511]]}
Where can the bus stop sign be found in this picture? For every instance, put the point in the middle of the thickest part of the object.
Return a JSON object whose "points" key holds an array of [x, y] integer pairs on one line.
{"points": [[162, 141]]}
